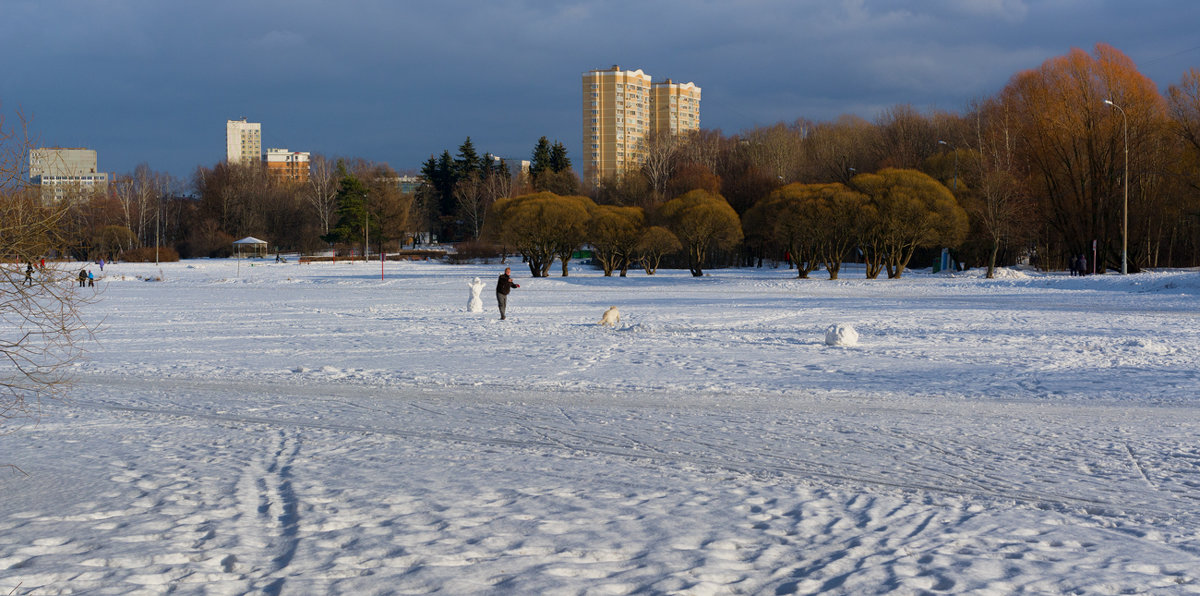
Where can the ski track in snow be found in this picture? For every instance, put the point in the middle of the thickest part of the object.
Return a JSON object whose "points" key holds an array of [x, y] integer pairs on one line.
{"points": [[312, 429]]}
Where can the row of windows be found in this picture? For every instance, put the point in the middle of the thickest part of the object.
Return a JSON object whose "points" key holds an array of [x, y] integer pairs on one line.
{"points": [[66, 179]]}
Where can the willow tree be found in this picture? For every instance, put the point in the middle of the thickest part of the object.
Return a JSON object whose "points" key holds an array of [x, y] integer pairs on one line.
{"points": [[912, 211], [844, 216], [614, 233], [654, 243], [786, 221], [541, 227], [702, 221]]}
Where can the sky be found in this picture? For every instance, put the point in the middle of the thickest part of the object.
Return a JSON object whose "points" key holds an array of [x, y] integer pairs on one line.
{"points": [[147, 81]]}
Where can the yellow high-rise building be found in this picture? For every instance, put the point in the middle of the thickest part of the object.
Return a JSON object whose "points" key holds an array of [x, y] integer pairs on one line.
{"points": [[621, 109], [676, 107]]}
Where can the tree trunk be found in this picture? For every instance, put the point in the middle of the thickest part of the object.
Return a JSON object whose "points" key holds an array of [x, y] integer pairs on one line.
{"points": [[991, 272]]}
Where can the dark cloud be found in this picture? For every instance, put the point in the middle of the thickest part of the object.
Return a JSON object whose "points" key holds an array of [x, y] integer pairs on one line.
{"points": [[151, 81]]}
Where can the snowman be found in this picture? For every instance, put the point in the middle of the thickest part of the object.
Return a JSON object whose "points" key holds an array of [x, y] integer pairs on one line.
{"points": [[475, 304]]}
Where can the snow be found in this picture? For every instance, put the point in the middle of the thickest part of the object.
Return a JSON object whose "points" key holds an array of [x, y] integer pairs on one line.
{"points": [[475, 303], [311, 428], [841, 335]]}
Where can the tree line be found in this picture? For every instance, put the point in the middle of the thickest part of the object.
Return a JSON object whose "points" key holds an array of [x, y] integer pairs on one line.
{"points": [[1038, 168], [886, 216], [1033, 173]]}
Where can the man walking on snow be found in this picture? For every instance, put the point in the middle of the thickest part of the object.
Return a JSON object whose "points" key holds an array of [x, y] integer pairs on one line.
{"points": [[503, 286]]}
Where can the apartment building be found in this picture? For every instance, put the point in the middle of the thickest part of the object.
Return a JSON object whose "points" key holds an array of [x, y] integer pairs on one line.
{"points": [[622, 109], [61, 173], [287, 165], [675, 107], [243, 142]]}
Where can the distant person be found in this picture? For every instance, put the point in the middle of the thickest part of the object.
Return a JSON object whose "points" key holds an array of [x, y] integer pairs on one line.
{"points": [[82, 277], [1074, 265], [29, 274], [1083, 265], [101, 263], [91, 280], [503, 286], [42, 262]]}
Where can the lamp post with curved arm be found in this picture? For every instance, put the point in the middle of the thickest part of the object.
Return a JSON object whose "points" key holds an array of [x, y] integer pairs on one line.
{"points": [[1125, 209]]}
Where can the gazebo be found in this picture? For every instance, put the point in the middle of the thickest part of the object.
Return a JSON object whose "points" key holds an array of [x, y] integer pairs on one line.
{"points": [[259, 246], [260, 249]]}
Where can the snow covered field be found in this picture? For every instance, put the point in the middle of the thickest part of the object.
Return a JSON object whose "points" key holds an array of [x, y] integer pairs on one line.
{"points": [[311, 429]]}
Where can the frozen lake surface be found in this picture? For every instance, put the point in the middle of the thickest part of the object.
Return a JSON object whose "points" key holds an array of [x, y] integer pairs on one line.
{"points": [[303, 429]]}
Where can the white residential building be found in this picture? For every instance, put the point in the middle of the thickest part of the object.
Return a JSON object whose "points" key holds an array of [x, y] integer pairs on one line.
{"points": [[62, 172], [243, 142]]}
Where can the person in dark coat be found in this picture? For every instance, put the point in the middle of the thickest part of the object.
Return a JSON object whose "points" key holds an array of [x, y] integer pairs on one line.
{"points": [[29, 274], [82, 278], [503, 286]]}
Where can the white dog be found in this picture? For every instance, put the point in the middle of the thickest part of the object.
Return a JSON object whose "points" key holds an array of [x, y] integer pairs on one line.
{"points": [[611, 317]]}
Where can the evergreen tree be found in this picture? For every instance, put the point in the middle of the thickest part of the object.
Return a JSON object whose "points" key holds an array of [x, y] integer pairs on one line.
{"points": [[352, 211], [467, 162], [541, 158], [558, 158], [489, 165], [447, 178]]}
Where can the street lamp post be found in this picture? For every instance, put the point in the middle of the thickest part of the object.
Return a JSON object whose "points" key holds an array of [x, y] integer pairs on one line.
{"points": [[1125, 207], [952, 148]]}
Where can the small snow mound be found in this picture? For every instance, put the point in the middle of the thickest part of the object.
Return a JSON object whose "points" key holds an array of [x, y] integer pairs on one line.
{"points": [[300, 369], [638, 328], [1006, 273], [841, 335], [1147, 345]]}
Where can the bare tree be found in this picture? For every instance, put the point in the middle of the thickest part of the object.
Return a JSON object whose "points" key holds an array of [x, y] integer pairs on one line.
{"points": [[40, 321], [775, 150], [838, 150], [472, 197], [14, 153], [705, 148], [662, 155], [322, 189], [1001, 208]]}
